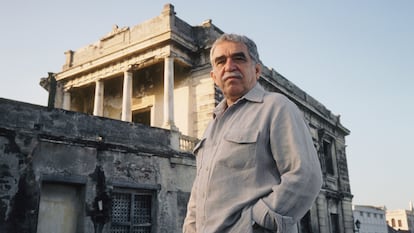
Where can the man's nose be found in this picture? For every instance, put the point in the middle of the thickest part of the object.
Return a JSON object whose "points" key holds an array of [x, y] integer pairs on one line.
{"points": [[230, 65]]}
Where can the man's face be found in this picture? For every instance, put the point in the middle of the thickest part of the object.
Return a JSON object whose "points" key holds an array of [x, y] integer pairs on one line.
{"points": [[234, 72]]}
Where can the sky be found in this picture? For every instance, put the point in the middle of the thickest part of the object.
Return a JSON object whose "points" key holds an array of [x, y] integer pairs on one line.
{"points": [[356, 57]]}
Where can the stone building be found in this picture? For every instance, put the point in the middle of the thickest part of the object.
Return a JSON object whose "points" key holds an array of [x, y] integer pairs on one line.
{"points": [[63, 171], [157, 74], [370, 219], [401, 220]]}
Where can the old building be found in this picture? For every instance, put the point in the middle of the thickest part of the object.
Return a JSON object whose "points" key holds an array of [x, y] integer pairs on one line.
{"points": [[63, 171], [401, 220], [155, 73], [370, 219]]}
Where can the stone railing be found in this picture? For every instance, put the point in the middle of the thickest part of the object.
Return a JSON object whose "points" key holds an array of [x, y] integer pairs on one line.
{"points": [[187, 143]]}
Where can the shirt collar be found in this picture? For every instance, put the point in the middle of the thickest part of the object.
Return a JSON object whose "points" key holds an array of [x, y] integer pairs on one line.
{"points": [[255, 94]]}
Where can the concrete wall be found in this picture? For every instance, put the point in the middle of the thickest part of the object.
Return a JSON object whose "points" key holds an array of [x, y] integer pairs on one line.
{"points": [[41, 147]]}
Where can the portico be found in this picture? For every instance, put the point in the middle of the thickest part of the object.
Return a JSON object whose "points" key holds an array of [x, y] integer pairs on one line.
{"points": [[130, 84]]}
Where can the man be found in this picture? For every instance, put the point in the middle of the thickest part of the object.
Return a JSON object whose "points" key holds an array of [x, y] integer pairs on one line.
{"points": [[257, 169]]}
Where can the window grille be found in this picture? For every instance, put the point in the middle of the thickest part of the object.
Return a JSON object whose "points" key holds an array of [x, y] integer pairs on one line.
{"points": [[131, 212]]}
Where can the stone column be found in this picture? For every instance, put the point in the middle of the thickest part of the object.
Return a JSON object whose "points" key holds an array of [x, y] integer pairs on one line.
{"points": [[66, 100], [169, 93], [127, 97], [59, 96], [99, 97]]}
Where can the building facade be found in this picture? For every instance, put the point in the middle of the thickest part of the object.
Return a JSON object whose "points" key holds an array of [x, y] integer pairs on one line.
{"points": [[401, 220], [157, 74], [370, 219], [69, 172]]}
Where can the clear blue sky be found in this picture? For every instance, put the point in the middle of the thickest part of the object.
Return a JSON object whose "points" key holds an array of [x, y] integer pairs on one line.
{"points": [[356, 57]]}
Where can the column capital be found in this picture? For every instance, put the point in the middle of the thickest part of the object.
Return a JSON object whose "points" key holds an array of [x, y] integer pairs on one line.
{"points": [[170, 55], [131, 67], [67, 88]]}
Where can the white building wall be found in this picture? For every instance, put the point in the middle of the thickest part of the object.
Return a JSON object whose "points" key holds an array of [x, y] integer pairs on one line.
{"points": [[401, 219], [372, 219]]}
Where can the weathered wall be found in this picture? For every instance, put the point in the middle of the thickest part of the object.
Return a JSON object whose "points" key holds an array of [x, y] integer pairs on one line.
{"points": [[40, 145]]}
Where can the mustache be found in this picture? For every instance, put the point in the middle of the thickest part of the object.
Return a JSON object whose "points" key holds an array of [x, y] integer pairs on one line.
{"points": [[234, 74]]}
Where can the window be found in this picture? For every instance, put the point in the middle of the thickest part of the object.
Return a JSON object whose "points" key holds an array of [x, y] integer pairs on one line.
{"points": [[361, 213], [393, 222], [399, 223], [327, 150], [335, 223], [131, 211], [142, 116]]}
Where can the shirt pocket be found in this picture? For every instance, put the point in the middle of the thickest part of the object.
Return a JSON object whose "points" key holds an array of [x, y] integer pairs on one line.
{"points": [[239, 148]]}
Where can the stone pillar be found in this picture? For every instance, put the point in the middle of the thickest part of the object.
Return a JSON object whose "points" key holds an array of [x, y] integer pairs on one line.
{"points": [[66, 100], [52, 90], [322, 211], [169, 93], [59, 96], [99, 97], [127, 97]]}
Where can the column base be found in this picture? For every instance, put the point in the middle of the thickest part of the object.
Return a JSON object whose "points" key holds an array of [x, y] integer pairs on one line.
{"points": [[170, 126]]}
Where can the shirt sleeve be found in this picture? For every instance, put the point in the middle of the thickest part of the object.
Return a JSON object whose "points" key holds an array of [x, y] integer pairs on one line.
{"points": [[298, 165], [190, 219], [189, 225]]}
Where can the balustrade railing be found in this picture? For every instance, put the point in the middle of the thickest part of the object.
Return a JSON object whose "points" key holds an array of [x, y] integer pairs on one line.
{"points": [[187, 143]]}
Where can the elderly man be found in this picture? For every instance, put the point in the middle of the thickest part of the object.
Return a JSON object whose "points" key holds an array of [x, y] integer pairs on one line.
{"points": [[257, 168]]}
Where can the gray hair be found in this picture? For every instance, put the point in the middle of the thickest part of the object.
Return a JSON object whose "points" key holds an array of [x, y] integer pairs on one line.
{"points": [[251, 46]]}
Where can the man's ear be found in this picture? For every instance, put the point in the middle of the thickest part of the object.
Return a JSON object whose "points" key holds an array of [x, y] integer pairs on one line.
{"points": [[258, 68], [213, 76]]}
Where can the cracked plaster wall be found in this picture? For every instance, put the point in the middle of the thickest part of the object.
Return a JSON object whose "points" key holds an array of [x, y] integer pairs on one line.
{"points": [[39, 145]]}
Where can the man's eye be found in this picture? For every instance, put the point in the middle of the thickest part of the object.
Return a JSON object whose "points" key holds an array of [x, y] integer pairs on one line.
{"points": [[219, 62], [239, 58]]}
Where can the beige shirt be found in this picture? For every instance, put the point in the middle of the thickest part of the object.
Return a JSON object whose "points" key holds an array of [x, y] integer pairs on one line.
{"points": [[255, 163]]}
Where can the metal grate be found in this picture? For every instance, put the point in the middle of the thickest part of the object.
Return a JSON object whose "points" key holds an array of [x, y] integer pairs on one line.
{"points": [[121, 208], [131, 212], [142, 209], [141, 230], [120, 229]]}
